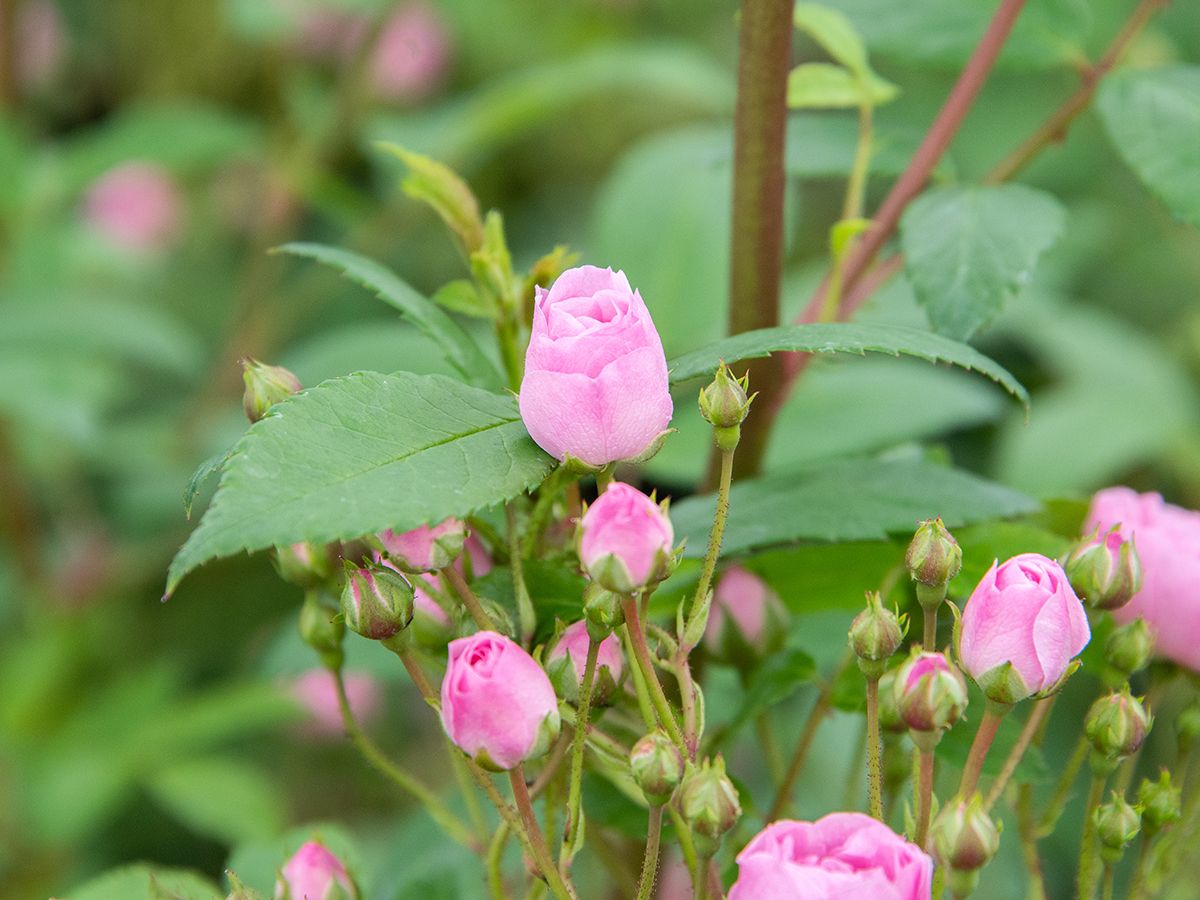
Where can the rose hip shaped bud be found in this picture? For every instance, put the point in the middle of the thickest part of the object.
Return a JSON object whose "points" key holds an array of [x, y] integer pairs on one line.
{"points": [[314, 873], [303, 564], [964, 840], [1168, 545], [875, 634], [1117, 823], [625, 540], [376, 602], [1104, 570], [1021, 628], [709, 804], [724, 404], [933, 557], [322, 630], [1129, 647], [265, 386], [746, 621], [568, 658], [603, 610], [1160, 801], [1116, 726], [929, 692], [595, 386], [841, 855], [498, 705], [425, 549], [657, 767]]}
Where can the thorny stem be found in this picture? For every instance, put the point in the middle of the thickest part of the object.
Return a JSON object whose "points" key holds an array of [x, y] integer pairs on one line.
{"points": [[1040, 710], [1085, 881], [1109, 881], [1137, 882], [541, 853], [874, 765], [715, 536], [495, 857], [641, 652], [1036, 890], [924, 795], [640, 690], [525, 613], [988, 726], [468, 598], [575, 784], [1058, 799], [650, 860]]}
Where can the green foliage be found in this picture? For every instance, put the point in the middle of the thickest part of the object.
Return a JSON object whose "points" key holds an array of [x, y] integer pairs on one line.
{"points": [[221, 796], [778, 678], [1153, 119], [967, 251], [421, 449], [145, 882], [826, 86]]}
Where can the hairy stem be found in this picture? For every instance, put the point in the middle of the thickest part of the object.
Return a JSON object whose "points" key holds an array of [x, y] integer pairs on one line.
{"points": [[1085, 880], [575, 783], [541, 853], [924, 795], [988, 726], [641, 652], [454, 578], [874, 765], [1058, 800], [525, 613], [1041, 709], [715, 536], [495, 859], [650, 860]]}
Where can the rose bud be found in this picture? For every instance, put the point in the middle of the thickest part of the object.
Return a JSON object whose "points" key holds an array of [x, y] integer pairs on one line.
{"points": [[964, 840], [603, 610], [1117, 823], [746, 621], [1168, 545], [657, 767], [625, 540], [265, 386], [709, 804], [432, 626], [304, 564], [933, 558], [314, 873], [1129, 647], [1021, 628], [930, 692], [425, 549], [376, 602], [1160, 802], [1116, 725], [411, 54], [595, 386], [322, 629], [889, 713], [1104, 571], [844, 854], [724, 404], [875, 634], [136, 206], [498, 705], [568, 657]]}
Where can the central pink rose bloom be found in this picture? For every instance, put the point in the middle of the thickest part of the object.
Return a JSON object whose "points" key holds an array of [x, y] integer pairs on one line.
{"points": [[314, 873], [625, 539], [1022, 612], [1167, 538], [843, 856], [595, 383]]}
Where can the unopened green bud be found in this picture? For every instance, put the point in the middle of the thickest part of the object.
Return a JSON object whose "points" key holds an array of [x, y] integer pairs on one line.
{"points": [[709, 804], [322, 630], [1116, 725], [657, 767], [304, 564], [723, 402], [889, 713], [1160, 801], [930, 692], [500, 616], [1104, 570], [875, 635], [963, 835], [1117, 823], [1187, 724], [1129, 648], [933, 556], [603, 610], [265, 386], [376, 602]]}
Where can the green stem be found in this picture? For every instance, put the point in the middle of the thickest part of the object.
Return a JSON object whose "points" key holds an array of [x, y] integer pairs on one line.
{"points": [[1137, 882], [495, 860], [645, 704], [931, 599], [650, 860], [642, 656], [1058, 799], [1085, 881], [687, 693], [1109, 881], [605, 477], [852, 207], [988, 726], [543, 507], [700, 879], [770, 747], [575, 783], [683, 834], [510, 353], [1027, 825], [541, 853], [525, 611], [463, 777], [1041, 709], [924, 795], [715, 536], [454, 578], [874, 764]]}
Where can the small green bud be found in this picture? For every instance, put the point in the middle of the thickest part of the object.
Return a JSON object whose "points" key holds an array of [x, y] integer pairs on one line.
{"points": [[1104, 570], [889, 713], [603, 610], [709, 804], [723, 402], [875, 635], [501, 617], [963, 835], [930, 692], [1160, 801], [1187, 724], [376, 602], [933, 557], [1117, 823], [657, 767], [304, 564], [1129, 647], [1116, 725], [322, 630], [265, 386]]}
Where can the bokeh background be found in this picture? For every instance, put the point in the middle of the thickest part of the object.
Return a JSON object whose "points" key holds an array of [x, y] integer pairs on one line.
{"points": [[151, 154]]}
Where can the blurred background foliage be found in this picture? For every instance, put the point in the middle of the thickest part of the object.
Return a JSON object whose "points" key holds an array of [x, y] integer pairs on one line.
{"points": [[133, 731]]}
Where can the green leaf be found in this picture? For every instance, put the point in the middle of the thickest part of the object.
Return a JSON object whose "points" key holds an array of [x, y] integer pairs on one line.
{"points": [[968, 251], [773, 682], [461, 296], [221, 797], [856, 500], [826, 86], [444, 190], [145, 882], [835, 33], [812, 577], [206, 470], [361, 454], [1153, 118], [461, 350], [822, 145], [838, 337]]}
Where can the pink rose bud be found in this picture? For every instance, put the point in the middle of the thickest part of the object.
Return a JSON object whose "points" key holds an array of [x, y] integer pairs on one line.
{"points": [[1021, 628], [303, 564], [425, 549], [412, 54], [377, 603], [136, 206], [316, 691], [1116, 726], [875, 634], [1104, 570], [841, 855], [567, 659], [709, 804], [930, 693], [746, 620], [965, 839], [595, 385], [625, 539], [1168, 545], [315, 874], [657, 766], [498, 705]]}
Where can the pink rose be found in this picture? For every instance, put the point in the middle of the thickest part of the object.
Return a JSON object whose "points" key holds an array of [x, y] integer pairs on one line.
{"points": [[316, 691], [135, 205], [1022, 612], [595, 383], [625, 539], [572, 646], [1167, 538], [425, 548], [498, 705], [412, 54], [843, 856], [314, 873], [745, 615], [431, 624]]}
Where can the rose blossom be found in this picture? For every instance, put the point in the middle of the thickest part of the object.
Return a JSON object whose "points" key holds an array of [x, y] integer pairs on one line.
{"points": [[314, 873], [431, 624], [135, 205], [625, 539], [1168, 544], [573, 644], [498, 705], [843, 856], [316, 691], [1022, 612], [425, 548], [743, 603], [595, 384]]}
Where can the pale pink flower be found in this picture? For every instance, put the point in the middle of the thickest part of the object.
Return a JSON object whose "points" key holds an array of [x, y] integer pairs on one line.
{"points": [[136, 206]]}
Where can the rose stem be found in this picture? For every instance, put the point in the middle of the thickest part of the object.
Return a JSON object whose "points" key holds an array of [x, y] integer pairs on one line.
{"points": [[468, 598], [924, 794], [642, 654], [1040, 710], [1027, 826], [1059, 798], [988, 726], [715, 536], [495, 857], [575, 782], [1085, 881], [874, 765], [525, 612], [645, 705], [650, 860], [541, 853]]}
